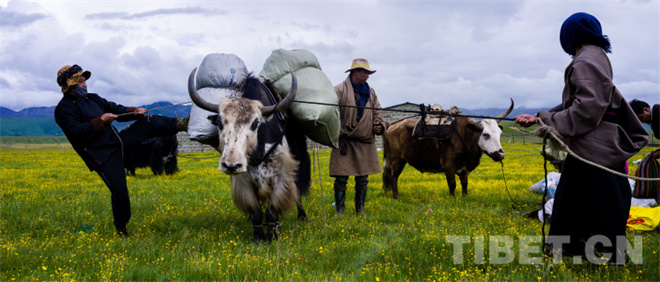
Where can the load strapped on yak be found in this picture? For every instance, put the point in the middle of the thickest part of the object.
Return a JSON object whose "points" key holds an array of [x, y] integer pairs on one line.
{"points": [[221, 75], [435, 122]]}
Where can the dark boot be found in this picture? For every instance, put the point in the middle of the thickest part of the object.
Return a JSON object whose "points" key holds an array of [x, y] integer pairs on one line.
{"points": [[340, 196], [122, 232], [360, 197]]}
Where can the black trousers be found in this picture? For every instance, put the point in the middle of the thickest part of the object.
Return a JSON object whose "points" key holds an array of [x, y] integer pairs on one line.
{"points": [[589, 202], [113, 172]]}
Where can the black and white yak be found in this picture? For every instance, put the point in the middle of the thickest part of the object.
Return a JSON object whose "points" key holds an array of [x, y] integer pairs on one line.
{"points": [[158, 153], [267, 160]]}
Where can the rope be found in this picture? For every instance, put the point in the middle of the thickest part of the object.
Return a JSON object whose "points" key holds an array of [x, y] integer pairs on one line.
{"points": [[159, 108], [564, 147], [419, 112], [507, 188], [545, 193], [400, 111], [315, 152], [276, 225]]}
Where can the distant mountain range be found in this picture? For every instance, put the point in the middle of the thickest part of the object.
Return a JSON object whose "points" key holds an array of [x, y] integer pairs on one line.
{"points": [[40, 121], [180, 110]]}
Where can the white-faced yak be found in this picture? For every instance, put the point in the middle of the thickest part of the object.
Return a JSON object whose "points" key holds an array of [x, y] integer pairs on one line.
{"points": [[460, 153], [268, 164]]}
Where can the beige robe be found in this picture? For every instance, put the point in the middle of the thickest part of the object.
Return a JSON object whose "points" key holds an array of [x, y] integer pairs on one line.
{"points": [[362, 156], [588, 94]]}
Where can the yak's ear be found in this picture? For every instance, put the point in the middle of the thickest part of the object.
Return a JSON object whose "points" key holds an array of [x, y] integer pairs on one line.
{"points": [[215, 120], [477, 127]]}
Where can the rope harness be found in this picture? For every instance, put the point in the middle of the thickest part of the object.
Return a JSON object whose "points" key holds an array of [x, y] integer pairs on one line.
{"points": [[276, 225]]}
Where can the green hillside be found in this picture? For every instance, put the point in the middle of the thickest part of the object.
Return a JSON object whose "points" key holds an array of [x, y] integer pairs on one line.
{"points": [[29, 126], [36, 126]]}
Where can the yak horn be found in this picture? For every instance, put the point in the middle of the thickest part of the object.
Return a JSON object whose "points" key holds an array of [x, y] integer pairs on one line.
{"points": [[284, 104], [504, 114], [198, 100]]}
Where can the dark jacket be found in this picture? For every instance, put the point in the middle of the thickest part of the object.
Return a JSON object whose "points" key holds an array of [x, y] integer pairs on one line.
{"points": [[80, 120]]}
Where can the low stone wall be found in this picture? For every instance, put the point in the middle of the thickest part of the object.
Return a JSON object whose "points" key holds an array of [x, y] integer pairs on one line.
{"points": [[189, 146]]}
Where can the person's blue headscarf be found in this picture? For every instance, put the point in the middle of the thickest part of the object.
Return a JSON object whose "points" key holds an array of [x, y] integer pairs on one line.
{"points": [[582, 28]]}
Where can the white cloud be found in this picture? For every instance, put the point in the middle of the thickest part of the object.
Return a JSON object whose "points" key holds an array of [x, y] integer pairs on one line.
{"points": [[470, 54]]}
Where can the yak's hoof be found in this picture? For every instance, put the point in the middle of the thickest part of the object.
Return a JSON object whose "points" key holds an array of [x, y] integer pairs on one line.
{"points": [[259, 235]]}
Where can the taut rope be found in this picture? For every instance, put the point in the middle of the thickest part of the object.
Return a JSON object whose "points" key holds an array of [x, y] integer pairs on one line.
{"points": [[559, 143], [317, 164], [159, 108]]}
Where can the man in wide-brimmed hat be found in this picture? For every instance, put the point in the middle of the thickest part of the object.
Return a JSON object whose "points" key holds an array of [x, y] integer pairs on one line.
{"points": [[361, 119], [86, 120]]}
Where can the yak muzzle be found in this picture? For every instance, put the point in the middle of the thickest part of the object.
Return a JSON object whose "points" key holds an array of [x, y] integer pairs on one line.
{"points": [[232, 168], [497, 156]]}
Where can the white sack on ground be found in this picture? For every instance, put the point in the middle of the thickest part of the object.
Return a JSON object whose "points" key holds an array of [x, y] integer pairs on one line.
{"points": [[633, 201], [553, 180]]}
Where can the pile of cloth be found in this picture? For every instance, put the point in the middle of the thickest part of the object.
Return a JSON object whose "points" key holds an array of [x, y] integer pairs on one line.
{"points": [[644, 213]]}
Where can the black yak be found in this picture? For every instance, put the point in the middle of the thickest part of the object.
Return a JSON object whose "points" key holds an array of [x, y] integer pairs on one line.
{"points": [[158, 153]]}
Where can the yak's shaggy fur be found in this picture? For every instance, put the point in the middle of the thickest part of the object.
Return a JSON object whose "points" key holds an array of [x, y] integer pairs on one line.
{"points": [[249, 125]]}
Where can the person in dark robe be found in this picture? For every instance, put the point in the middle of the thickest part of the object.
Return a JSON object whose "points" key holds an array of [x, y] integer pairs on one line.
{"points": [[591, 205]]}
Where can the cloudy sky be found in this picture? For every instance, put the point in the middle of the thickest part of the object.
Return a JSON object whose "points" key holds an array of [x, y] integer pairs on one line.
{"points": [[472, 54]]}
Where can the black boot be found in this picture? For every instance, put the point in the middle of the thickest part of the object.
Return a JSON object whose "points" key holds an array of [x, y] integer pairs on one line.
{"points": [[122, 232], [360, 197], [340, 196]]}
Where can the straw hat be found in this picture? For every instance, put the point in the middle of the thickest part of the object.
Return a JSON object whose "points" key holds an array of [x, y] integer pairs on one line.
{"points": [[361, 64], [69, 76]]}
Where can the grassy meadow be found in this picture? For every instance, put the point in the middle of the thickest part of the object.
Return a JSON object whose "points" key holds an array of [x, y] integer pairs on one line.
{"points": [[56, 224]]}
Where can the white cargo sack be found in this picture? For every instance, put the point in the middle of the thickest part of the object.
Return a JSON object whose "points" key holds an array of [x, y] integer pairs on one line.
{"points": [[319, 122], [218, 77], [553, 181]]}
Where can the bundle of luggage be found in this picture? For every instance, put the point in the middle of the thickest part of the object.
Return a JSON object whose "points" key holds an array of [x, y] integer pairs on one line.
{"points": [[220, 76]]}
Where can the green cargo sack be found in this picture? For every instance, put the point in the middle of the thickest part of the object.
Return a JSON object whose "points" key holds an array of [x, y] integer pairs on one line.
{"points": [[319, 122]]}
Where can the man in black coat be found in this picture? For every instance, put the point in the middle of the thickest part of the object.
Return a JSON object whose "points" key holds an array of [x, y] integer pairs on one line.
{"points": [[86, 120]]}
